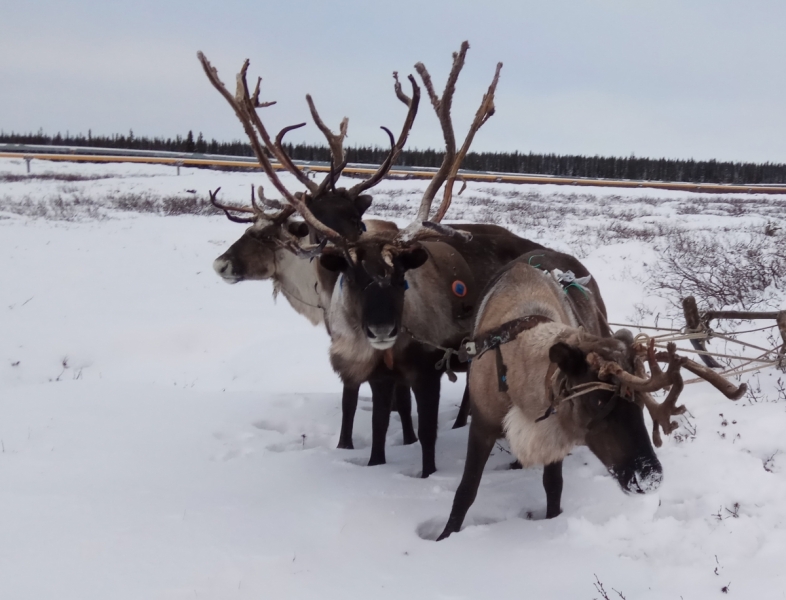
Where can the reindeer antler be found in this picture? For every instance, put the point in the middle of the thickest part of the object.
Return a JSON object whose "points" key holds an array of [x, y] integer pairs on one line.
{"points": [[661, 413], [245, 109], [226, 208], [277, 218], [723, 385], [396, 146], [448, 170], [484, 113]]}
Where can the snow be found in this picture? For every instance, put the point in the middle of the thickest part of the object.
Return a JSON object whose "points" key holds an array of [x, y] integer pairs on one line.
{"points": [[165, 435]]}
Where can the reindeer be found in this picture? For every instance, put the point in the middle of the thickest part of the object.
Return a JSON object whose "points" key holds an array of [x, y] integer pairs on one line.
{"points": [[378, 333], [547, 385], [270, 247], [405, 299], [269, 250]]}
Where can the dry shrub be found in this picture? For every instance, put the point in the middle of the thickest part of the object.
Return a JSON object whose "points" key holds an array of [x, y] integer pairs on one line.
{"points": [[745, 272], [77, 207]]}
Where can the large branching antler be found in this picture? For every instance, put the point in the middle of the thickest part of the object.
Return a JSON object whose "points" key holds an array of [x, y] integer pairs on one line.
{"points": [[228, 207], [661, 413], [484, 113], [396, 146], [259, 213], [251, 104], [245, 109], [448, 170], [442, 106], [335, 143]]}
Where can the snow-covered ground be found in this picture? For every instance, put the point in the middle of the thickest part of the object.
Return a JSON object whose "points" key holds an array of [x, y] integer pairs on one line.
{"points": [[164, 435]]}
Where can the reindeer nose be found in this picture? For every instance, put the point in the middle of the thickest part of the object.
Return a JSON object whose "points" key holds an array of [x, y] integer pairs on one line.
{"points": [[223, 268], [382, 336], [646, 476], [381, 331]]}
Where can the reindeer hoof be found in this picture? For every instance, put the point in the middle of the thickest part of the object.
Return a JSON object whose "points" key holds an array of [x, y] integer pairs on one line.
{"points": [[373, 462], [428, 471], [345, 445]]}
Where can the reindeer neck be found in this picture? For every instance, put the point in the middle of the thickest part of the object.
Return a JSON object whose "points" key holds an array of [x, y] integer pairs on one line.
{"points": [[296, 279]]}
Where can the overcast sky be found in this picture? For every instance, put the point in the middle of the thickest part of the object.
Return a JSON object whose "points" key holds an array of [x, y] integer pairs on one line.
{"points": [[701, 78]]}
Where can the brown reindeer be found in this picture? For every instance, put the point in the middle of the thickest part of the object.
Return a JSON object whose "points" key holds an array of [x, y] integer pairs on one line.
{"points": [[547, 384], [378, 333], [585, 301], [405, 299], [269, 250], [270, 246]]}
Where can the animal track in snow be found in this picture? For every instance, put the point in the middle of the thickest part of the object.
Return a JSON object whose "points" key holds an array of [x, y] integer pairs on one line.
{"points": [[266, 425], [430, 530]]}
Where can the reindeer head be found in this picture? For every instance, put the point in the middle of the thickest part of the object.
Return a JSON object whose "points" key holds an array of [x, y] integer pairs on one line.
{"points": [[373, 283], [329, 212], [613, 427], [602, 386], [373, 269]]}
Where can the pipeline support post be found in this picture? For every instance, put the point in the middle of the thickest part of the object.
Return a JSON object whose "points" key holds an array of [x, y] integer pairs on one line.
{"points": [[781, 321], [695, 325], [27, 160]]}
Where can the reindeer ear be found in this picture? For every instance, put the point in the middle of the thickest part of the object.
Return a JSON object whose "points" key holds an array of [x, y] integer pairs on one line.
{"points": [[570, 360], [412, 259], [333, 262], [298, 228], [362, 203]]}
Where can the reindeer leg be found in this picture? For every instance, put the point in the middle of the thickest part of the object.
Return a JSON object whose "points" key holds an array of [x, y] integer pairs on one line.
{"points": [[481, 441], [552, 483], [461, 417], [349, 403], [404, 408], [382, 399], [426, 390]]}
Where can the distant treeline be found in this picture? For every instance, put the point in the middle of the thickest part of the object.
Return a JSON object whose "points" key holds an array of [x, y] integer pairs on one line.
{"points": [[631, 167]]}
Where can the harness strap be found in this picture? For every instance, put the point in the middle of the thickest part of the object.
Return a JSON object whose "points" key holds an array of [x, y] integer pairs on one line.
{"points": [[507, 332], [493, 340]]}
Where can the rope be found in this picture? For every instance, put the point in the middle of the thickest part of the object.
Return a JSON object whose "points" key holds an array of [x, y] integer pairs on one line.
{"points": [[721, 336], [644, 327], [759, 329], [586, 388], [443, 362], [662, 339]]}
